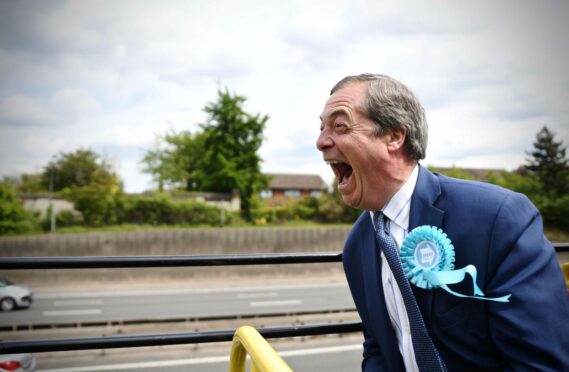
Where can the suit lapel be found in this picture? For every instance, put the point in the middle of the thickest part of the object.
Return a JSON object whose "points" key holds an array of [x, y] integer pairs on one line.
{"points": [[423, 212], [371, 264], [375, 300]]}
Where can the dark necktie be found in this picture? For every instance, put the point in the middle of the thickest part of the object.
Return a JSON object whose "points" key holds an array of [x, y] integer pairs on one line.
{"points": [[426, 355]]}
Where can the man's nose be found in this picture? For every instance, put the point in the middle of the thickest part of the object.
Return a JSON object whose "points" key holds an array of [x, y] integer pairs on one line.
{"points": [[324, 141]]}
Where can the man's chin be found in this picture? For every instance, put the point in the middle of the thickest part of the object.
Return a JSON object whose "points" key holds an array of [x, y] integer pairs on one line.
{"points": [[351, 202]]}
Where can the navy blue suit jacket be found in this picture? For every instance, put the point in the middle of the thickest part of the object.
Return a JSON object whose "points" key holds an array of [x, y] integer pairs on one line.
{"points": [[501, 233]]}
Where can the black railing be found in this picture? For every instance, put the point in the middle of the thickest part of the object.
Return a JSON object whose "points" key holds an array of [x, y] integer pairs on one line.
{"points": [[162, 339], [100, 262]]}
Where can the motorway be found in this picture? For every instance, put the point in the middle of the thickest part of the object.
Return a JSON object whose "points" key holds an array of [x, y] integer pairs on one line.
{"points": [[330, 353], [82, 308]]}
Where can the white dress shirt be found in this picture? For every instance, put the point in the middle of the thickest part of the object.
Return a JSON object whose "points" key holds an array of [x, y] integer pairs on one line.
{"points": [[397, 210]]}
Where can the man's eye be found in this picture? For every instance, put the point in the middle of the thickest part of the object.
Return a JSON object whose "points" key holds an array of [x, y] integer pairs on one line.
{"points": [[340, 125]]}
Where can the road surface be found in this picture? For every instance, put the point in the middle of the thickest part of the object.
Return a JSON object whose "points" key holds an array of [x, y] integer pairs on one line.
{"points": [[168, 304]]}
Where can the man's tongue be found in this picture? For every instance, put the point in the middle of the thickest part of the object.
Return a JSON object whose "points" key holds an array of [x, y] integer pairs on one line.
{"points": [[345, 175]]}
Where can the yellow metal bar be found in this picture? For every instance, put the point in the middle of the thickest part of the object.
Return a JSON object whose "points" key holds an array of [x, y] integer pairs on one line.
{"points": [[264, 358], [565, 268]]}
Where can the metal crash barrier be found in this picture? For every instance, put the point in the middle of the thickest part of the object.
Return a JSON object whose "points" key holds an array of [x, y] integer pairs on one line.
{"points": [[263, 357], [163, 339]]}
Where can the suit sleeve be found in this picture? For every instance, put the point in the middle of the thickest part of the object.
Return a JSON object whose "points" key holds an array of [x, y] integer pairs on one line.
{"points": [[372, 358], [532, 330]]}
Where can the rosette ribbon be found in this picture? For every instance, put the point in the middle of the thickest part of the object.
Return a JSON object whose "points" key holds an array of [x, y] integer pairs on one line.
{"points": [[427, 257]]}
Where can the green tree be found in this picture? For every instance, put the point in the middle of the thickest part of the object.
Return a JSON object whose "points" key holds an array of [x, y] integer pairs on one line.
{"points": [[548, 163], [13, 217], [176, 160], [98, 203], [31, 183], [25, 183], [517, 181], [222, 158], [89, 182], [78, 169], [454, 172], [232, 140]]}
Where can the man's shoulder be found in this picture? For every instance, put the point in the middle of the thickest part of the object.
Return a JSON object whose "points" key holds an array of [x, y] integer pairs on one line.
{"points": [[359, 229], [363, 222]]}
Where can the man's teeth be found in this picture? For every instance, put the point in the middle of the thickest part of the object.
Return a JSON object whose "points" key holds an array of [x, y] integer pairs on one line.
{"points": [[331, 162]]}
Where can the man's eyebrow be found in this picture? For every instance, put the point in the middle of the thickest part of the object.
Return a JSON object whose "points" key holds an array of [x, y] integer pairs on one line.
{"points": [[336, 112]]}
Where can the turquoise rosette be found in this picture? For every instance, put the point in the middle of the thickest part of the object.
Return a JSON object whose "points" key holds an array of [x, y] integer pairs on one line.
{"points": [[426, 248], [427, 258]]}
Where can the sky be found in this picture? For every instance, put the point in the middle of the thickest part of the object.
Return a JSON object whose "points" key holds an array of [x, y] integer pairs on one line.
{"points": [[112, 76]]}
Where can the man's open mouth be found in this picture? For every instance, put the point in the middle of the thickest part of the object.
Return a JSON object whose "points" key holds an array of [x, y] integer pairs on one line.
{"points": [[342, 170]]}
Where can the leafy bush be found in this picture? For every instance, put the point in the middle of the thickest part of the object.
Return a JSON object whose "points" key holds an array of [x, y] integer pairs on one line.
{"points": [[457, 173], [306, 208], [515, 181], [302, 209], [555, 211], [197, 213], [276, 214], [327, 209], [332, 209], [162, 210], [98, 204], [68, 219], [13, 218]]}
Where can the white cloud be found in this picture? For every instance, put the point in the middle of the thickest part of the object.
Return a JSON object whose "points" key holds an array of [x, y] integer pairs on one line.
{"points": [[74, 103], [112, 77], [468, 136], [19, 109]]}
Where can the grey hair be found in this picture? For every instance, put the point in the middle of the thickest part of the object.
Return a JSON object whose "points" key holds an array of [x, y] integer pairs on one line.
{"points": [[392, 106]]}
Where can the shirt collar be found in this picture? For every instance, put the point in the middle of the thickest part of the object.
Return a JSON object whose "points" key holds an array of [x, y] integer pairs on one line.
{"points": [[400, 201]]}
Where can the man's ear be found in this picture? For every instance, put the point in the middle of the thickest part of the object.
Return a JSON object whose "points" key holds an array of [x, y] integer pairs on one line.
{"points": [[396, 139]]}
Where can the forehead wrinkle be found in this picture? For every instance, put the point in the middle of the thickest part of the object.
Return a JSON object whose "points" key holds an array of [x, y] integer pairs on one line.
{"points": [[335, 113]]}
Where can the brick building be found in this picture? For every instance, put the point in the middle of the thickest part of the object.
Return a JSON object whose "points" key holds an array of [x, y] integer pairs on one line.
{"points": [[293, 186]]}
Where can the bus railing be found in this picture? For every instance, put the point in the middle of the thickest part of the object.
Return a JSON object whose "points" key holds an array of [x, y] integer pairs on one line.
{"points": [[115, 262], [165, 339], [162, 339], [247, 341]]}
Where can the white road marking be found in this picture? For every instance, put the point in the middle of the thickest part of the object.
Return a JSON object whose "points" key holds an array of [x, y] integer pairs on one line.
{"points": [[158, 292], [143, 365], [77, 302], [274, 303], [205, 360], [258, 295], [72, 312]]}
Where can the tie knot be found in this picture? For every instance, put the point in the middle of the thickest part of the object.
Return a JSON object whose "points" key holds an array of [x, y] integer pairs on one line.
{"points": [[381, 222]]}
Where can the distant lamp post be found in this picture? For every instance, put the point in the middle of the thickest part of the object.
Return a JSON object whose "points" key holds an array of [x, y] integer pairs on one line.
{"points": [[51, 209]]}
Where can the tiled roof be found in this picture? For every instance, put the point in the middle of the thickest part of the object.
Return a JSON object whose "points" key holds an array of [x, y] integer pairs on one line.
{"points": [[296, 181]]}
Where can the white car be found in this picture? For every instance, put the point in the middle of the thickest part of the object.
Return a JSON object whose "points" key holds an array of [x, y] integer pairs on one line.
{"points": [[14, 296], [17, 363]]}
